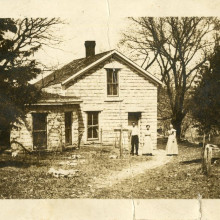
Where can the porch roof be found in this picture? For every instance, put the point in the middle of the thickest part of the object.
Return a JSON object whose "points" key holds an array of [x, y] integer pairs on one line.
{"points": [[56, 99]]}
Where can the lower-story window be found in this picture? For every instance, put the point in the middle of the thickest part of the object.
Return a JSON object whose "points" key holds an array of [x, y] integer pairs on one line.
{"points": [[39, 130], [92, 125]]}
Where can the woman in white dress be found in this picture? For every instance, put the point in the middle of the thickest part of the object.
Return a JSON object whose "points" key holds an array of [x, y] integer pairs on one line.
{"points": [[147, 148], [172, 148]]}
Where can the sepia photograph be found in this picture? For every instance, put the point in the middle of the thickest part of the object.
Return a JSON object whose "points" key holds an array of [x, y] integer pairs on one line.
{"points": [[97, 106]]}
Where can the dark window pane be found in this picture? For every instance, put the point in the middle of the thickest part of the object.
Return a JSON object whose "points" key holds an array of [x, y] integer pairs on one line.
{"points": [[115, 78], [68, 136], [68, 119], [95, 132], [115, 89], [109, 89], [109, 75], [39, 140], [39, 121], [90, 132], [89, 118], [68, 129], [95, 118]]}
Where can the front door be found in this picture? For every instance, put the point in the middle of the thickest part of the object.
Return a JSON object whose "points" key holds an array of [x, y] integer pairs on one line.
{"points": [[39, 131]]}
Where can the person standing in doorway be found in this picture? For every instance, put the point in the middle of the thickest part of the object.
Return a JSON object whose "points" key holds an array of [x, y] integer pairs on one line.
{"points": [[134, 139]]}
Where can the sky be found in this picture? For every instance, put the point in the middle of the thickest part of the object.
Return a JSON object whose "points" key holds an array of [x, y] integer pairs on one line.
{"points": [[98, 20], [106, 31]]}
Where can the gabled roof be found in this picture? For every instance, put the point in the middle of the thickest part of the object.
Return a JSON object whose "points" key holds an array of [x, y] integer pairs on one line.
{"points": [[69, 70], [77, 67]]}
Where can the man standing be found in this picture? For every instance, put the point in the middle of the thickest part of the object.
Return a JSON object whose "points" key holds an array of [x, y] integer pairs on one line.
{"points": [[134, 139]]}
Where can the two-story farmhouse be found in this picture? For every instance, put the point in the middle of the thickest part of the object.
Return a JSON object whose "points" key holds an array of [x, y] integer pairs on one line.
{"points": [[88, 101]]}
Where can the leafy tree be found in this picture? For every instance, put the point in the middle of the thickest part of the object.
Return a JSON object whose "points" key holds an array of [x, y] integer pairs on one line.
{"points": [[177, 48], [19, 40], [206, 96]]}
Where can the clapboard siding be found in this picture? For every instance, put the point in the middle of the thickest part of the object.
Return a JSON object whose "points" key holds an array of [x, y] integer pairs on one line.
{"points": [[135, 92]]}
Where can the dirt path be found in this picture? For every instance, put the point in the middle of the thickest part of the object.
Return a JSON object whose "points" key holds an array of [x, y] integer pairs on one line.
{"points": [[157, 160]]}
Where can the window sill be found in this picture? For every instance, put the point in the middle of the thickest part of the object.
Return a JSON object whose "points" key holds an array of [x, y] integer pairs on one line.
{"points": [[92, 141]]}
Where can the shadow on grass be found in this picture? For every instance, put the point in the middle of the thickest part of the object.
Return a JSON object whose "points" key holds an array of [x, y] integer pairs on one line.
{"points": [[198, 161], [19, 163], [191, 161]]}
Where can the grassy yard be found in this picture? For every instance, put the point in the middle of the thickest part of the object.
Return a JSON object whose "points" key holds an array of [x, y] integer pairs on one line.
{"points": [[28, 178], [180, 179]]}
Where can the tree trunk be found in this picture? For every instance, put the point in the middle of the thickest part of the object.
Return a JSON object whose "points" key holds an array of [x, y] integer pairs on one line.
{"points": [[177, 125]]}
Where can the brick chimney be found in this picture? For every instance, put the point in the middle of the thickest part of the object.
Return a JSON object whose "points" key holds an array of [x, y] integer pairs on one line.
{"points": [[90, 48]]}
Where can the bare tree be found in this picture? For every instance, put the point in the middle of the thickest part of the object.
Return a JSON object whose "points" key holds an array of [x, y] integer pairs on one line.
{"points": [[178, 47]]}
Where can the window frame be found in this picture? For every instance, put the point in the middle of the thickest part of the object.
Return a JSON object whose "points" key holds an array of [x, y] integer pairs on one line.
{"points": [[34, 131], [112, 84], [87, 125]]}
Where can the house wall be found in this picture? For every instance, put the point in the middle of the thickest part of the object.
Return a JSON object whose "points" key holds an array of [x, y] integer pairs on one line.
{"points": [[22, 134], [55, 128], [136, 93]]}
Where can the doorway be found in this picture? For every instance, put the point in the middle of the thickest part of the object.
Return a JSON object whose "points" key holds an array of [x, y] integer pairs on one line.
{"points": [[134, 117]]}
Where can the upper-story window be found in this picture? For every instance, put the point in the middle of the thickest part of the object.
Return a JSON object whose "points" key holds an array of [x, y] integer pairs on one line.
{"points": [[112, 82]]}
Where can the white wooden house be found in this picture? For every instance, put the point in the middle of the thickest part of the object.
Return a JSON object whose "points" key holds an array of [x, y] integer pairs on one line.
{"points": [[88, 101]]}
